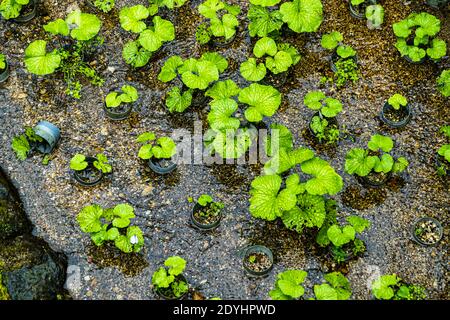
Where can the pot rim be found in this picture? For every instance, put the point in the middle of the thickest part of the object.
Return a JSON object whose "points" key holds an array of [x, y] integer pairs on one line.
{"points": [[436, 222], [90, 160], [159, 169], [257, 249], [393, 124], [29, 16], [200, 225], [161, 295]]}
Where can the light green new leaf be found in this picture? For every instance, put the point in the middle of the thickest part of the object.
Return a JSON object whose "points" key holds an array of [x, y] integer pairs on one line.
{"points": [[265, 46], [131, 18], [38, 61], [223, 90], [378, 141], [89, 218], [59, 26], [87, 25], [331, 40], [252, 71], [358, 161], [176, 101], [169, 69], [220, 117], [340, 236], [358, 223], [262, 101], [325, 180], [302, 15], [176, 265]]}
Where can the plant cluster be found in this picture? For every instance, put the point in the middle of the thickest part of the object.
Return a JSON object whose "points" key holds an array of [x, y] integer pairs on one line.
{"points": [[398, 101], [267, 18], [341, 239], [79, 163], [322, 124], [10, 9], [104, 5], [288, 286], [443, 83], [444, 153], [115, 99], [222, 21], [151, 35], [196, 75], [278, 59], [416, 37], [391, 287], [24, 143], [343, 58], [209, 208], [168, 281], [112, 224], [374, 15], [74, 38], [231, 131], [376, 158], [299, 204], [163, 148]]}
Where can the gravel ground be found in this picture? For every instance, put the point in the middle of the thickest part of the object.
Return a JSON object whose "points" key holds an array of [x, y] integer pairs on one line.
{"points": [[52, 199]]}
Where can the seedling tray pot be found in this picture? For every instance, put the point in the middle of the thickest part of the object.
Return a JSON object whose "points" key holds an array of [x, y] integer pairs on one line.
{"points": [[257, 249], [200, 225], [160, 170], [4, 75], [77, 177], [394, 124], [116, 114], [163, 296], [331, 121], [356, 13], [29, 16], [51, 135], [335, 57], [418, 240]]}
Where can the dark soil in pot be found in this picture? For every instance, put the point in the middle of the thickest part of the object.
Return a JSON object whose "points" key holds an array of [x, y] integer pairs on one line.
{"points": [[119, 113], [375, 179], [90, 176], [221, 42], [27, 12], [395, 118], [258, 260], [275, 80], [167, 293], [161, 166], [205, 218], [427, 231]]}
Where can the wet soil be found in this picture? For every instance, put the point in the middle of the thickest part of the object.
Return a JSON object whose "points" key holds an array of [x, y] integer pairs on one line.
{"points": [[52, 199]]}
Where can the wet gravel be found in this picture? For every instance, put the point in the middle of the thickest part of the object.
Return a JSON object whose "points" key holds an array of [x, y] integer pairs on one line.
{"points": [[52, 198]]}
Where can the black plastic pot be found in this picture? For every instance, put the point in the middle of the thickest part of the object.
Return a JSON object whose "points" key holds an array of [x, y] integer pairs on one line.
{"points": [[49, 133], [257, 249], [335, 57], [415, 62], [29, 16], [400, 124], [166, 297], [331, 121], [200, 225], [359, 12], [80, 180], [217, 42], [156, 167], [119, 113], [437, 4], [422, 220], [366, 181], [4, 75], [275, 80]]}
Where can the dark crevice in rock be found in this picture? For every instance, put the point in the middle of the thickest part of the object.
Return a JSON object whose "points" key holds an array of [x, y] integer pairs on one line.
{"points": [[29, 268]]}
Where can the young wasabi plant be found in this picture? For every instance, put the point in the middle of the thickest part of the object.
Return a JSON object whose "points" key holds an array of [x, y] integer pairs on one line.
{"points": [[104, 5], [337, 287], [112, 224], [341, 239], [375, 16], [262, 101], [222, 22], [2, 62], [391, 287], [375, 163], [170, 4], [80, 163], [343, 59], [396, 111], [207, 211], [128, 94], [10, 9], [299, 15], [150, 38], [80, 30], [443, 161], [196, 74], [398, 101], [163, 148], [323, 124], [288, 285], [443, 83], [170, 282], [416, 37], [276, 58], [23, 144]]}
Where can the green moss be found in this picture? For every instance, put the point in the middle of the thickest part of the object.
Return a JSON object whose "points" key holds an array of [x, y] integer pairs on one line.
{"points": [[3, 291]]}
